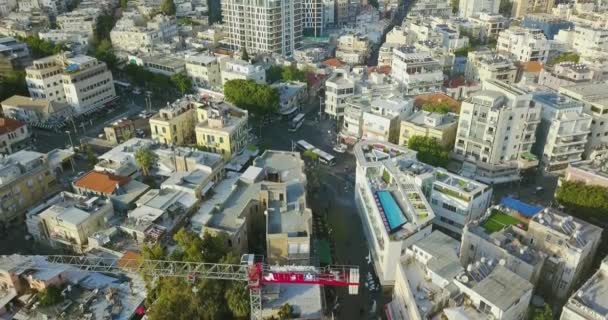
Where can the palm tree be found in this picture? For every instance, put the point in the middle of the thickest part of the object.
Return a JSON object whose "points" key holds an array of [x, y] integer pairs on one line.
{"points": [[145, 158], [285, 312]]}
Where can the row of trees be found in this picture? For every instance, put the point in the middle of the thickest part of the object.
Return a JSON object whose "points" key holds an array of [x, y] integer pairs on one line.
{"points": [[565, 57], [437, 107], [430, 151], [41, 48], [587, 200], [284, 73], [259, 99], [11, 83], [176, 298]]}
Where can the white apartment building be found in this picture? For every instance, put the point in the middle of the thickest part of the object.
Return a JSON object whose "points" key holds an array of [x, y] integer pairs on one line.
{"points": [[292, 95], [588, 41], [233, 69], [133, 33], [484, 65], [468, 8], [7, 6], [563, 130], [393, 208], [68, 37], [81, 81], [353, 48], [496, 133], [591, 300], [79, 21], [456, 200], [267, 26], [431, 8], [338, 87], [204, 70], [416, 71], [490, 25], [524, 44], [14, 135], [594, 97], [565, 74]]}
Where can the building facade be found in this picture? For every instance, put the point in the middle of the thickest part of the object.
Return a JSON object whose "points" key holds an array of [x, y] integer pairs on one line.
{"points": [[221, 128], [174, 124], [416, 70], [14, 136]]}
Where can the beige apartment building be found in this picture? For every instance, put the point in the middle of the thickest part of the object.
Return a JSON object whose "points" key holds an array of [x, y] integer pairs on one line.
{"points": [[428, 124], [174, 124], [221, 128]]}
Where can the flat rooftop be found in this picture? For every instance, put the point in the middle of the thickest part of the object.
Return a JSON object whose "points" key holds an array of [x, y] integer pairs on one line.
{"points": [[578, 232], [591, 300], [555, 100]]}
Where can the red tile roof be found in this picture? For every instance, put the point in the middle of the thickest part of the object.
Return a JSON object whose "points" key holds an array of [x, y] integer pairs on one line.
{"points": [[532, 66], [9, 125], [380, 69], [101, 181], [437, 98], [333, 62], [312, 79]]}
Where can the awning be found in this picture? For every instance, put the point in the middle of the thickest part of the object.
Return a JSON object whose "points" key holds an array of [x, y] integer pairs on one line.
{"points": [[523, 208]]}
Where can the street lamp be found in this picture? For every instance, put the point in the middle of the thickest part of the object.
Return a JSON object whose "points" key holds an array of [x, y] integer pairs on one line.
{"points": [[70, 136]]}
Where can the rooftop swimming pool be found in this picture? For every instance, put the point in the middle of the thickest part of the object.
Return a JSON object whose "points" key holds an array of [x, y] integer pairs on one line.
{"points": [[391, 210]]}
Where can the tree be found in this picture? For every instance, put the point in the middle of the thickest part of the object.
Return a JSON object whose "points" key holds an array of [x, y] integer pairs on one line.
{"points": [[41, 48], [123, 4], [11, 83], [91, 156], [145, 159], [285, 312], [311, 155], [505, 7], [291, 73], [455, 5], [167, 7], [540, 313], [181, 82], [586, 200], [104, 52], [237, 297], [50, 296], [430, 151], [274, 74], [244, 54], [259, 99], [104, 25], [436, 107], [565, 57]]}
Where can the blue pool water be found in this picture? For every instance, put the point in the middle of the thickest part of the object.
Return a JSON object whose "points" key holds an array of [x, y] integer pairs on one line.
{"points": [[393, 213]]}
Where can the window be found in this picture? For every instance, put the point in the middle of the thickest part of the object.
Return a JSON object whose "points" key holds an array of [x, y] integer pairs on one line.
{"points": [[449, 207]]}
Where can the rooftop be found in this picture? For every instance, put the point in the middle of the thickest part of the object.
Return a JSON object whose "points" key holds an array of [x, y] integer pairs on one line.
{"points": [[576, 231], [550, 99], [69, 207], [101, 182], [591, 300], [9, 125], [419, 118]]}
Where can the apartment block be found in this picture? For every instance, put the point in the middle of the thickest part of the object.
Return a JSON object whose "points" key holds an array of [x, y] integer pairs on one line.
{"points": [[563, 131], [468, 8], [134, 33], [591, 300], [585, 39], [547, 22], [83, 82], [122, 191], [590, 172], [524, 44], [353, 48], [393, 208], [221, 128], [67, 220], [431, 8], [489, 25], [34, 111], [496, 131], [416, 71], [484, 65], [565, 74], [81, 20], [524, 7], [25, 179], [204, 70], [594, 97], [233, 69], [174, 124], [292, 95], [120, 160], [338, 87], [428, 124], [268, 26], [14, 136]]}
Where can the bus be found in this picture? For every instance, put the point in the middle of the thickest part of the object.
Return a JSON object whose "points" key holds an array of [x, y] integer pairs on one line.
{"points": [[296, 122], [122, 84], [324, 157], [304, 146]]}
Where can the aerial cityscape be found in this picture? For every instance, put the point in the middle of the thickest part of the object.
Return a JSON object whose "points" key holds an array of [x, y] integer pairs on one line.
{"points": [[303, 159]]}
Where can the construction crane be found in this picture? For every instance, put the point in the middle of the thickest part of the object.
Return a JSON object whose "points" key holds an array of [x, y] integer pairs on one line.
{"points": [[251, 270]]}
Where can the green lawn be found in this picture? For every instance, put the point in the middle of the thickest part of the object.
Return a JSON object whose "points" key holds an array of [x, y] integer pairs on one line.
{"points": [[498, 220]]}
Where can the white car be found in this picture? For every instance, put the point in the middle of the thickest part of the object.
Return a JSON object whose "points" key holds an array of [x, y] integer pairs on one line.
{"points": [[340, 148]]}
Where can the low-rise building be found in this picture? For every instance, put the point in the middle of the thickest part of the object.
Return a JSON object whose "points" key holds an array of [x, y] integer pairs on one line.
{"points": [[67, 220], [565, 74], [120, 160], [524, 44], [34, 111], [14, 136], [291, 96], [119, 131], [416, 71], [353, 48], [123, 191], [167, 65], [563, 131], [489, 25], [233, 69], [483, 65], [174, 124], [204, 70], [133, 32], [15, 54], [585, 39], [338, 87], [429, 124], [26, 177], [548, 23], [221, 128], [591, 300], [589, 172]]}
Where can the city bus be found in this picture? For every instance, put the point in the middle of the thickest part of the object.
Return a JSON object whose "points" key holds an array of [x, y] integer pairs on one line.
{"points": [[304, 146], [296, 122], [324, 157]]}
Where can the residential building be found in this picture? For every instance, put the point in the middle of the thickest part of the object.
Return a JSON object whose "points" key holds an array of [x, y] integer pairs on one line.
{"points": [[74, 39], [429, 264], [174, 124], [397, 35], [16, 53], [269, 26], [589, 172], [221, 128], [468, 8], [338, 87], [489, 25], [548, 23], [496, 133], [524, 7], [34, 111], [591, 300], [167, 65], [594, 97], [80, 20], [428, 124], [26, 177], [562, 133], [484, 65], [565, 74], [416, 71], [524, 44], [120, 160], [14, 136], [431, 8], [312, 54], [353, 48], [67, 220], [83, 82], [119, 131], [122, 191], [456, 200], [393, 209], [232, 69], [292, 95], [204, 70], [7, 6], [345, 12], [586, 40], [134, 33]]}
